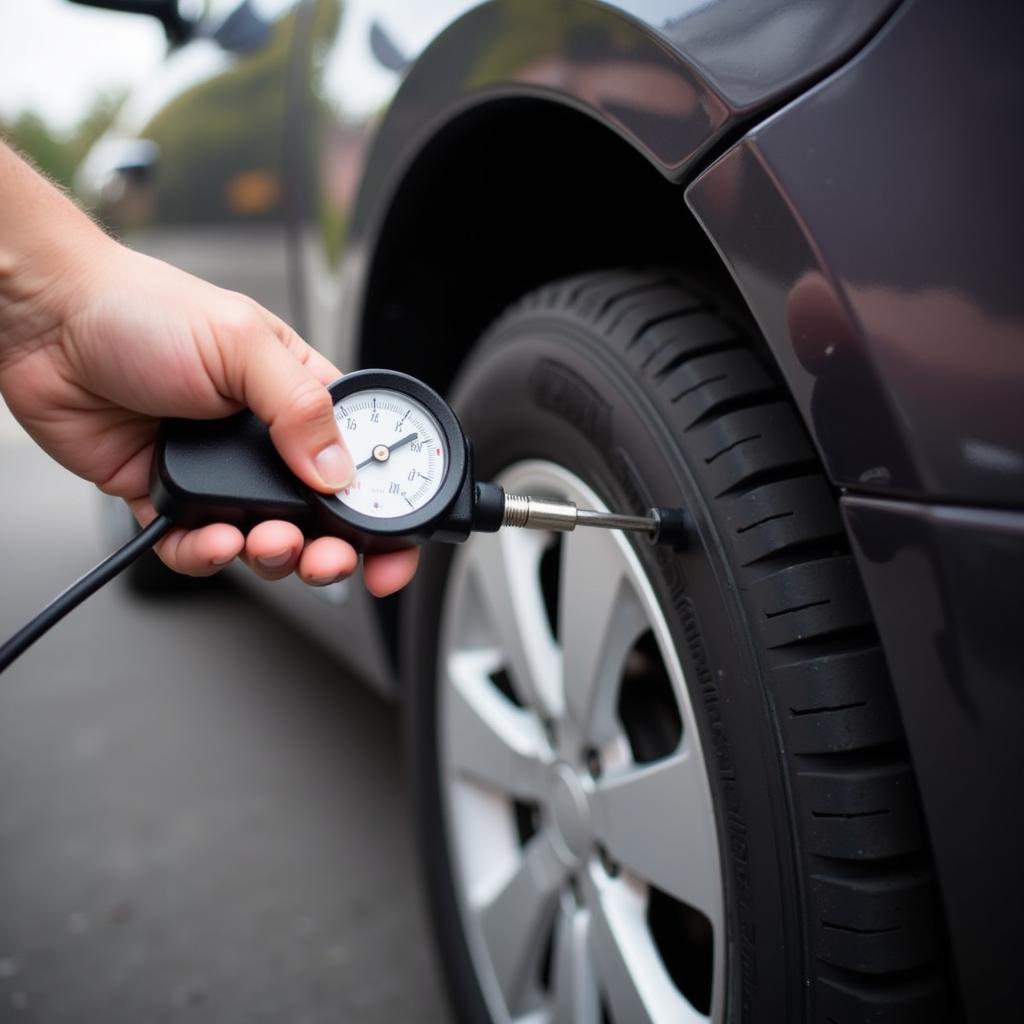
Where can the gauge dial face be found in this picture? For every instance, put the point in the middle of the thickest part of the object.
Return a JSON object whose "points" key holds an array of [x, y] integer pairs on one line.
{"points": [[399, 451]]}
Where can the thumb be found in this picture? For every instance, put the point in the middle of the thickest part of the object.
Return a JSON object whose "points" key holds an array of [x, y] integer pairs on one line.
{"points": [[297, 408]]}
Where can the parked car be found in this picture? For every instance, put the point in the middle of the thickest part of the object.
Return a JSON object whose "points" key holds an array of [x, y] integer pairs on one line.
{"points": [[759, 260]]}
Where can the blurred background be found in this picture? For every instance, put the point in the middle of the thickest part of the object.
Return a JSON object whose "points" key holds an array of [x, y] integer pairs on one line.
{"points": [[64, 71], [200, 819]]}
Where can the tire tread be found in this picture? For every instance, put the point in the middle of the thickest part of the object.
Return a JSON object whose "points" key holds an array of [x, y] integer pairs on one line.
{"points": [[876, 922]]}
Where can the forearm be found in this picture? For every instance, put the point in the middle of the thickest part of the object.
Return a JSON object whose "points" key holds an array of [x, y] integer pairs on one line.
{"points": [[99, 343], [46, 244]]}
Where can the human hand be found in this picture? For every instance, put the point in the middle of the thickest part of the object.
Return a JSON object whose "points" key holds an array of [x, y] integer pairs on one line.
{"points": [[95, 353]]}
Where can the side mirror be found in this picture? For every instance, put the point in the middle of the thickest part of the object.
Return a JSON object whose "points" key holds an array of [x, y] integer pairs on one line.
{"points": [[385, 50], [172, 14]]}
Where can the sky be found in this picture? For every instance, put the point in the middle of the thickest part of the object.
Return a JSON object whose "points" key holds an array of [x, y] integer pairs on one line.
{"points": [[55, 56]]}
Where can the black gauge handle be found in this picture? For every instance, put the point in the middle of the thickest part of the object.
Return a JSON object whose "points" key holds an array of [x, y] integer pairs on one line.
{"points": [[224, 471], [228, 471]]}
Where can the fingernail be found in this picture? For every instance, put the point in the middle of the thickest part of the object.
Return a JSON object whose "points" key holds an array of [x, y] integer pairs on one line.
{"points": [[335, 467], [326, 581], [276, 560], [222, 561]]}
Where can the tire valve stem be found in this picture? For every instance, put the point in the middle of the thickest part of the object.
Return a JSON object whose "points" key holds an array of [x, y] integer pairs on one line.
{"points": [[670, 526]]}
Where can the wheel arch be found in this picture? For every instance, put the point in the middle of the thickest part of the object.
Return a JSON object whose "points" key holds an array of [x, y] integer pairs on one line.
{"points": [[505, 198], [501, 121], [500, 201]]}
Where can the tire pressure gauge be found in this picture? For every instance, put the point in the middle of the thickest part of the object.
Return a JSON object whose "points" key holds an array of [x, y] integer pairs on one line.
{"points": [[413, 469], [412, 462], [414, 476], [414, 483], [408, 452]]}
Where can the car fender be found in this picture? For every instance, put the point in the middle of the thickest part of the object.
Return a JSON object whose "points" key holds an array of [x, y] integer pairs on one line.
{"points": [[673, 79], [873, 228]]}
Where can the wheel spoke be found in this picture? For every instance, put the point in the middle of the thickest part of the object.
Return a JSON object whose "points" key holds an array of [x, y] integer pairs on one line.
{"points": [[633, 976], [656, 820], [515, 919], [576, 999], [600, 618], [488, 737], [507, 571]]}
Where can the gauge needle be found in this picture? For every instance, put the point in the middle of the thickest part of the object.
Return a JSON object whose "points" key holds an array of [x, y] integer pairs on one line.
{"points": [[390, 448]]}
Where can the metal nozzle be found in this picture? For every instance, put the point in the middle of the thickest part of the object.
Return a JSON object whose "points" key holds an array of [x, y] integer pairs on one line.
{"points": [[614, 521], [544, 514], [669, 526]]}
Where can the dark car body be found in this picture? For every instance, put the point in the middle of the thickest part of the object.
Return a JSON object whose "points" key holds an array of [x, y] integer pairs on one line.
{"points": [[389, 176]]}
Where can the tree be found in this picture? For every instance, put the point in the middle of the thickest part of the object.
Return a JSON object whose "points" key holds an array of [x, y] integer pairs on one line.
{"points": [[58, 154]]}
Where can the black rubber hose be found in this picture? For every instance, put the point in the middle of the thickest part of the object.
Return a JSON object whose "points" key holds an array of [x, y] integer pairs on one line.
{"points": [[80, 590]]}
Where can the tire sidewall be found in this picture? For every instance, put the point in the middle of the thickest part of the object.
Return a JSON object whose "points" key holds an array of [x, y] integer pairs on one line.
{"points": [[542, 386]]}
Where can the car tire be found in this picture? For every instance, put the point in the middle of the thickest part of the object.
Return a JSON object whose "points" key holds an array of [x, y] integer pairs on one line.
{"points": [[636, 389]]}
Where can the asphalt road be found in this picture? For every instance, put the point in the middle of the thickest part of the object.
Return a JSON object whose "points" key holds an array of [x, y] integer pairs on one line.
{"points": [[201, 818]]}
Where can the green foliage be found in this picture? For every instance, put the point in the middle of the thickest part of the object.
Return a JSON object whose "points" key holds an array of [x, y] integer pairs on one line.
{"points": [[58, 154], [31, 135]]}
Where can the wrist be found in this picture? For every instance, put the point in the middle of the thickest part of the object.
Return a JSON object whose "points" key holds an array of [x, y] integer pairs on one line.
{"points": [[48, 250]]}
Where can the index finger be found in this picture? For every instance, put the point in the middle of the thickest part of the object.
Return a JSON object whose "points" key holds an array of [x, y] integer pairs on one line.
{"points": [[318, 364]]}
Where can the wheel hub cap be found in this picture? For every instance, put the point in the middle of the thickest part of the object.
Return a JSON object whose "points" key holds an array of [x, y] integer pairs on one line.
{"points": [[570, 812]]}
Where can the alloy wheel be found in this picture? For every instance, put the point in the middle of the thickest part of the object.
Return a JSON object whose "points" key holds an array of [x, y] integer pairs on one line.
{"points": [[578, 807]]}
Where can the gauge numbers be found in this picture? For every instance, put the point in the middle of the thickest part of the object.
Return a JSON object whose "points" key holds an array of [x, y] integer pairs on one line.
{"points": [[399, 452]]}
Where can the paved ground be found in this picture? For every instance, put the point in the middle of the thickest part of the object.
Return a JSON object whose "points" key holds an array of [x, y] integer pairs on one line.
{"points": [[200, 819]]}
